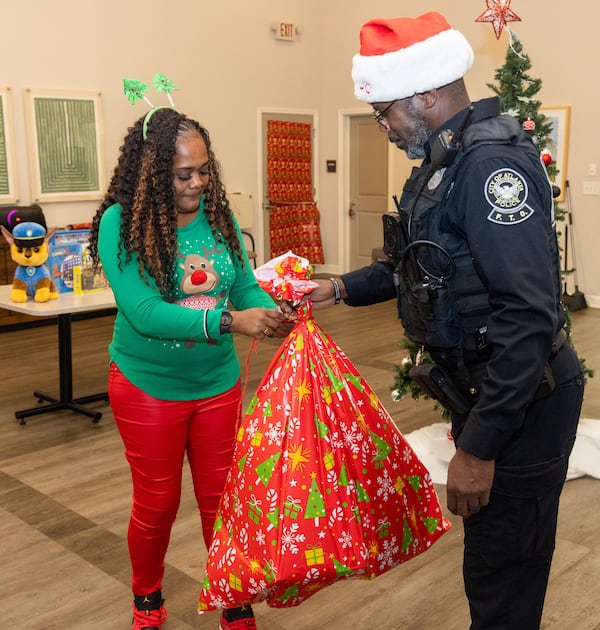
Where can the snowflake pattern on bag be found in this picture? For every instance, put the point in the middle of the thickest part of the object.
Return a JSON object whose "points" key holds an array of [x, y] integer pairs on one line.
{"points": [[323, 485]]}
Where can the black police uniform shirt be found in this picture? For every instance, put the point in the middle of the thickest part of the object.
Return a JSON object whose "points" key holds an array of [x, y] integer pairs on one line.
{"points": [[501, 203]]}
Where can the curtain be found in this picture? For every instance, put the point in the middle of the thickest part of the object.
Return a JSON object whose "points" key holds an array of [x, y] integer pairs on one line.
{"points": [[294, 217]]}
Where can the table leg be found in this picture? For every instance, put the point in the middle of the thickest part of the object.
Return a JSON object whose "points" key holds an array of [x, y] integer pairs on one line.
{"points": [[65, 364]]}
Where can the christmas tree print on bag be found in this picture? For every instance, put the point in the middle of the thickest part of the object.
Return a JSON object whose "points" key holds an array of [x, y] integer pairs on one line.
{"points": [[323, 486]]}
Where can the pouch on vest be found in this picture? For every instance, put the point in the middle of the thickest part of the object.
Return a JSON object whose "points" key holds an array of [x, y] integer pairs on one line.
{"points": [[427, 310]]}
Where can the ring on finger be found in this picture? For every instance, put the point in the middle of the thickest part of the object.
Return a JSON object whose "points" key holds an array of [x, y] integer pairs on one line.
{"points": [[473, 509], [267, 331]]}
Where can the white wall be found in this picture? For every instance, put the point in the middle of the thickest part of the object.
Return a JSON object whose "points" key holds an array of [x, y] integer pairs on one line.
{"points": [[221, 56], [227, 65]]}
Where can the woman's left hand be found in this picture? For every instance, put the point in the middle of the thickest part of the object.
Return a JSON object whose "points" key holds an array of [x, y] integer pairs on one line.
{"points": [[282, 330], [260, 322]]}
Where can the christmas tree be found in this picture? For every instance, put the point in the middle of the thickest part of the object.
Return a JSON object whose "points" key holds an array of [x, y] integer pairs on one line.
{"points": [[382, 447], [518, 98], [266, 468], [517, 91], [315, 505]]}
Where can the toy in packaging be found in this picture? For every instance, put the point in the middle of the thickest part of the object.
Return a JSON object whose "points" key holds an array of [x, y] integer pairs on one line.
{"points": [[68, 253], [86, 278]]}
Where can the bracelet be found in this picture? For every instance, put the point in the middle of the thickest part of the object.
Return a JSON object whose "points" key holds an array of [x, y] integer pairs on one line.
{"points": [[336, 290], [205, 323]]}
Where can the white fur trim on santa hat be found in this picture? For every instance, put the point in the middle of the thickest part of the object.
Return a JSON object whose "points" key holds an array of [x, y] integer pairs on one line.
{"points": [[429, 64]]}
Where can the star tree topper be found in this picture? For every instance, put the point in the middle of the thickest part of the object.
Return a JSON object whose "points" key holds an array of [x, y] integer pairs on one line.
{"points": [[498, 13]]}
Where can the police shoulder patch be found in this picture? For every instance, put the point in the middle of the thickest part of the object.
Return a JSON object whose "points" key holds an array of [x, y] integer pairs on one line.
{"points": [[506, 191]]}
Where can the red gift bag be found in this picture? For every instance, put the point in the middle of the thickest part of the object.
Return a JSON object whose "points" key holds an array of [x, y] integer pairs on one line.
{"points": [[323, 485]]}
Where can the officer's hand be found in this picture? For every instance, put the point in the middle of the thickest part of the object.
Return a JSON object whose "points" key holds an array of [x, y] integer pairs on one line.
{"points": [[469, 483], [323, 296]]}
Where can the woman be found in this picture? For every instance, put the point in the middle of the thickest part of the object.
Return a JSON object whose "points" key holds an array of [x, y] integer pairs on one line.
{"points": [[173, 254]]}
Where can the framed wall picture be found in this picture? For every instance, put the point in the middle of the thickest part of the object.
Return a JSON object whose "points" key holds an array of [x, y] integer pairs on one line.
{"points": [[65, 139], [8, 179], [559, 119]]}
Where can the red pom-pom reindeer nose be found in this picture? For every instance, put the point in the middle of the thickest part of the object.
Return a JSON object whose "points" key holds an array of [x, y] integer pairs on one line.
{"points": [[199, 277]]}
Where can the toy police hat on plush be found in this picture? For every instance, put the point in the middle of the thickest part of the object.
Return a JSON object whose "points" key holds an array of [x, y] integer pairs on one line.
{"points": [[29, 234], [400, 57]]}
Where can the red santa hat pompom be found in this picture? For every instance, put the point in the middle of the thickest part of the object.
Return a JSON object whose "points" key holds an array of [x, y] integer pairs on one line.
{"points": [[400, 57]]}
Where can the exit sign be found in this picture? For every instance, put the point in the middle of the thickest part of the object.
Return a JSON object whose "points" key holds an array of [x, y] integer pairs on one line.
{"points": [[285, 31]]}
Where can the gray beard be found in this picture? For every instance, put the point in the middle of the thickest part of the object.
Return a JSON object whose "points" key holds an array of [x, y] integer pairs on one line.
{"points": [[415, 143], [415, 152]]}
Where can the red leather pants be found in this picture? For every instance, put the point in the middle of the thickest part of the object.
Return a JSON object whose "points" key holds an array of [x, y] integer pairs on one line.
{"points": [[157, 434]]}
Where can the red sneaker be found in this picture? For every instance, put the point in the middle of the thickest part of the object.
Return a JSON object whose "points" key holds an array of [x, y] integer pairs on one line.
{"points": [[247, 623], [148, 619]]}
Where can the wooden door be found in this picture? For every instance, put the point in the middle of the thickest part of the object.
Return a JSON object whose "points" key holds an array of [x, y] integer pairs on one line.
{"points": [[368, 193]]}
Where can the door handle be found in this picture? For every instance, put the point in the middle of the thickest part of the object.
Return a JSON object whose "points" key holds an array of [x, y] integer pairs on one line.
{"points": [[351, 209]]}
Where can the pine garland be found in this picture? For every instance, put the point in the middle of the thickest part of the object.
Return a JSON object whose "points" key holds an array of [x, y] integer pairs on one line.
{"points": [[404, 385]]}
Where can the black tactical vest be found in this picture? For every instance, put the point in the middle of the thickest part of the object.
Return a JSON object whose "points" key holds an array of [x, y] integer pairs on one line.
{"points": [[442, 302]]}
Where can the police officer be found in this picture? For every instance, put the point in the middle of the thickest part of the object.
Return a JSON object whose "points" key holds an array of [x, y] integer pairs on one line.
{"points": [[476, 273]]}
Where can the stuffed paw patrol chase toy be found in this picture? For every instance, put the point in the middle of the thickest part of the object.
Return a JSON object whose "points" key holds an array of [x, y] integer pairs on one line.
{"points": [[29, 249]]}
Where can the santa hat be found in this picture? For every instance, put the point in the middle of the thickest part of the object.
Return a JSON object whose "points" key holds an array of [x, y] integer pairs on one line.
{"points": [[404, 56]]}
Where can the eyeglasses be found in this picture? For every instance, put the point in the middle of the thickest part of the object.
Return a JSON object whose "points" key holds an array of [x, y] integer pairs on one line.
{"points": [[379, 117]]}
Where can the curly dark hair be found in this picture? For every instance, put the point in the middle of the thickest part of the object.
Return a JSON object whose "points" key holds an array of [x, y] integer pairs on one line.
{"points": [[142, 183]]}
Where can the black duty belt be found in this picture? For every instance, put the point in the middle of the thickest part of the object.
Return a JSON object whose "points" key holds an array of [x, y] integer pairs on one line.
{"points": [[545, 387]]}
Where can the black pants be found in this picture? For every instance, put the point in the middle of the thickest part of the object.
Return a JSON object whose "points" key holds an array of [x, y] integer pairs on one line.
{"points": [[509, 544]]}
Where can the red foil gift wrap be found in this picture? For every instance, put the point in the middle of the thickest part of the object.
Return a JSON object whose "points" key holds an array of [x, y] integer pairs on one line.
{"points": [[323, 486], [287, 277]]}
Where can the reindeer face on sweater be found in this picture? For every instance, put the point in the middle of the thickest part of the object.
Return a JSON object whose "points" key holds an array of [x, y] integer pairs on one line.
{"points": [[199, 275], [199, 278]]}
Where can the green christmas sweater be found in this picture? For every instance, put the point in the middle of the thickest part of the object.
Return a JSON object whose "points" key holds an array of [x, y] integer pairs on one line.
{"points": [[162, 347]]}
